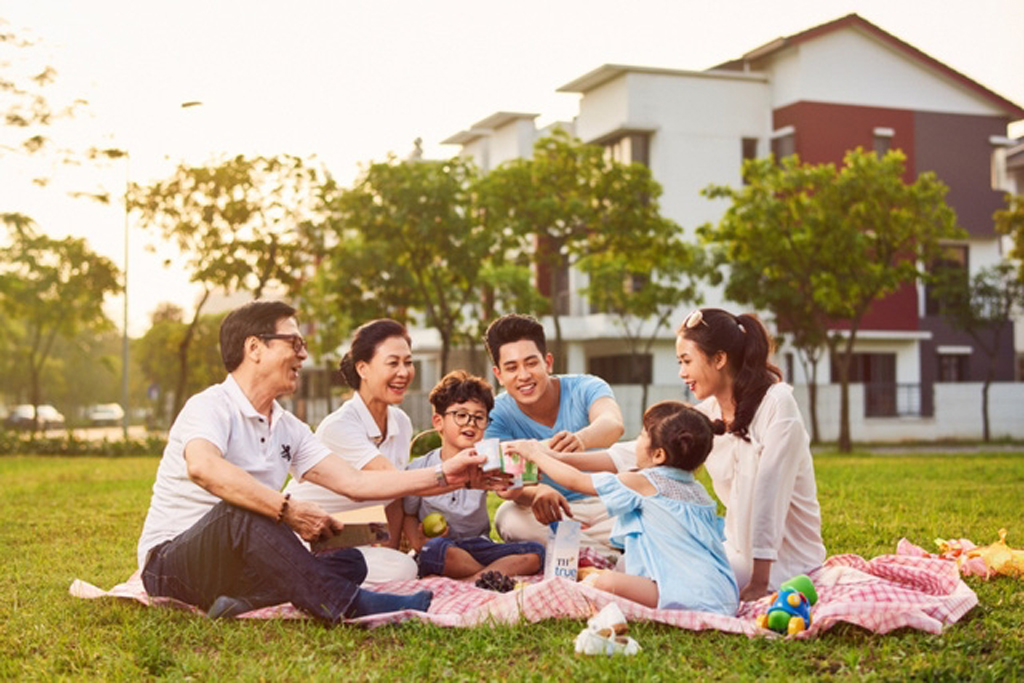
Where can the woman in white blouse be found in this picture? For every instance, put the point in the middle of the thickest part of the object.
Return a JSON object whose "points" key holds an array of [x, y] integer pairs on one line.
{"points": [[369, 430], [761, 468]]}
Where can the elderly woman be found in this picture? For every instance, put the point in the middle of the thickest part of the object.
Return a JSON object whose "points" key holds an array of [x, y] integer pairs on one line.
{"points": [[372, 433]]}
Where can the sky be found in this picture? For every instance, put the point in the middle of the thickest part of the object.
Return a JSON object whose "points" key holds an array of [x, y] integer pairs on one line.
{"points": [[350, 81]]}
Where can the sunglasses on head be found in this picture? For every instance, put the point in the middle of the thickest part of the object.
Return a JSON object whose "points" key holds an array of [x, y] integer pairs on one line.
{"points": [[695, 318]]}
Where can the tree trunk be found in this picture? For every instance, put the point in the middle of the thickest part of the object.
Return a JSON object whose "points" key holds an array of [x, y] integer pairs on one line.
{"points": [[179, 391], [985, 435], [845, 442], [446, 344], [812, 398], [809, 362], [560, 363], [35, 372]]}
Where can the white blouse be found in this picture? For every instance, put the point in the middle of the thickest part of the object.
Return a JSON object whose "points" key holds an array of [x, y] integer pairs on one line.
{"points": [[768, 487]]}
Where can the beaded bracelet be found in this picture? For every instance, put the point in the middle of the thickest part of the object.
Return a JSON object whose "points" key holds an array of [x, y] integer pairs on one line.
{"points": [[284, 508]]}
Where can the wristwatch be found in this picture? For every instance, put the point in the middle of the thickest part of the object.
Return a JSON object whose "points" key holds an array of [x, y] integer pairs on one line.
{"points": [[439, 478]]}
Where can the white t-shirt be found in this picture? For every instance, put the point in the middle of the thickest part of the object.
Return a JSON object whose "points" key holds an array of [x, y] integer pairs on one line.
{"points": [[223, 416], [351, 432], [768, 487]]}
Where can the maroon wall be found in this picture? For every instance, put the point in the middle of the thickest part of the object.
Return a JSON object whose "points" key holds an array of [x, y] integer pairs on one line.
{"points": [[825, 133], [957, 148]]}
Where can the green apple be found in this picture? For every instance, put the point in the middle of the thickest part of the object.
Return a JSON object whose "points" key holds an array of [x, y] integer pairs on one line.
{"points": [[434, 524]]}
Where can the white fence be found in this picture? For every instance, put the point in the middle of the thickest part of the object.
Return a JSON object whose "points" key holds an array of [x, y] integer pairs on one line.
{"points": [[957, 412]]}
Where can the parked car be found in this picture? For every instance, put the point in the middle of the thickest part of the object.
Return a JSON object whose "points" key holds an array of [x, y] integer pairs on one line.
{"points": [[105, 414], [21, 417]]}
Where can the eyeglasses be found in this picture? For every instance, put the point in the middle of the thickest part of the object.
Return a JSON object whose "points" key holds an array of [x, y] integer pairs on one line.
{"points": [[463, 418], [695, 318], [297, 342]]}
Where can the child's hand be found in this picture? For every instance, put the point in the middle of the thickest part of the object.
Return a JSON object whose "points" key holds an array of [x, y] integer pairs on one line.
{"points": [[567, 442], [423, 534], [526, 448]]}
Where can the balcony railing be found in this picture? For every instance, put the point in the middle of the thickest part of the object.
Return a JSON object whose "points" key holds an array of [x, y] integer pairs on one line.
{"points": [[898, 400]]}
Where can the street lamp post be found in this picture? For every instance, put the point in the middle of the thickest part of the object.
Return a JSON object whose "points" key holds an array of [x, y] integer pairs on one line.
{"points": [[124, 337]]}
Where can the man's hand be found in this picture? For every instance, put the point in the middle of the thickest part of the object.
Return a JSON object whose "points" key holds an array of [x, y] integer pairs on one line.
{"points": [[548, 505], [567, 442], [310, 522], [459, 469], [495, 480]]}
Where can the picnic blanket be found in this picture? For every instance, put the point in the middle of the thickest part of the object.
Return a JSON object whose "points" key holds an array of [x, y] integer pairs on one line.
{"points": [[903, 590]]}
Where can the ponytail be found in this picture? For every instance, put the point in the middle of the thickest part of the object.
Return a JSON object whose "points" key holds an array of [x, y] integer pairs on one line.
{"points": [[755, 374], [348, 371]]}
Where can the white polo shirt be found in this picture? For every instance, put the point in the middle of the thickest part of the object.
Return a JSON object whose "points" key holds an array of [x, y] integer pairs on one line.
{"points": [[224, 416], [351, 432]]}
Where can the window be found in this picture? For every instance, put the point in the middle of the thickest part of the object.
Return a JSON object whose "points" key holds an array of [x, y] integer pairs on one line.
{"points": [[629, 148], [622, 368], [882, 140], [877, 371], [953, 367], [748, 148], [560, 298], [1000, 177], [953, 256], [783, 143]]}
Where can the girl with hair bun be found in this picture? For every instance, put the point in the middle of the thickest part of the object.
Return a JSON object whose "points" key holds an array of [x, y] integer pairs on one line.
{"points": [[665, 520], [761, 468]]}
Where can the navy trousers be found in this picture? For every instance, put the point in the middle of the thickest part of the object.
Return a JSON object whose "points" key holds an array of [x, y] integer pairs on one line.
{"points": [[235, 552]]}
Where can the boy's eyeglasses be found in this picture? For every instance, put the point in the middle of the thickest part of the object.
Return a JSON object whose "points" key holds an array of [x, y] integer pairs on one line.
{"points": [[463, 418], [296, 340], [695, 318]]}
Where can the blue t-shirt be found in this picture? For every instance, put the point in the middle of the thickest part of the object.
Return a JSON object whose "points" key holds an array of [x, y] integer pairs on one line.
{"points": [[578, 393]]}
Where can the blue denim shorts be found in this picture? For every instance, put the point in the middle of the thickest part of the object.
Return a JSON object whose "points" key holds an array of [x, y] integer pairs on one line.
{"points": [[483, 550]]}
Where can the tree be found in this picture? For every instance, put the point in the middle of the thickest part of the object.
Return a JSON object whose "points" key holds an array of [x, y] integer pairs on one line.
{"points": [[643, 291], [24, 83], [852, 236], [406, 240], [568, 201], [237, 224], [772, 263], [162, 341], [982, 307], [51, 287], [1010, 221]]}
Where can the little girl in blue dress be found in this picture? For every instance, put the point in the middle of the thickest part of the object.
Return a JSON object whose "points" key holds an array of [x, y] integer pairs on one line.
{"points": [[666, 522]]}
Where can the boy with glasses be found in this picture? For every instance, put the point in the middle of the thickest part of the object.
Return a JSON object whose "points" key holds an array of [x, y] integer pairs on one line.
{"points": [[465, 551]]}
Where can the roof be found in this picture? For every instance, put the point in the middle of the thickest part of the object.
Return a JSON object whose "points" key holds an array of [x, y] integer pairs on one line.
{"points": [[857, 22], [486, 126], [607, 72]]}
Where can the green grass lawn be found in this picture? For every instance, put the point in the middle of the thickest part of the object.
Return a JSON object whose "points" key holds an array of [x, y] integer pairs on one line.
{"points": [[66, 518]]}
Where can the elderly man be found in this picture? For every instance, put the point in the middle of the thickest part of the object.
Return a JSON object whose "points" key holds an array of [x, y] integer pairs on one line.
{"points": [[220, 534]]}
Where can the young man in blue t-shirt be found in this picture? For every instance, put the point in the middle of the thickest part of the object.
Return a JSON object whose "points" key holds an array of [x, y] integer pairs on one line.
{"points": [[572, 413]]}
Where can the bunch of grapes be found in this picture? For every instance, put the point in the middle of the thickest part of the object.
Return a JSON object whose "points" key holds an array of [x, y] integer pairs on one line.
{"points": [[495, 581]]}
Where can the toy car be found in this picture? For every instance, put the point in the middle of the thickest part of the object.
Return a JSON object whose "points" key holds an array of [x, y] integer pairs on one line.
{"points": [[790, 611]]}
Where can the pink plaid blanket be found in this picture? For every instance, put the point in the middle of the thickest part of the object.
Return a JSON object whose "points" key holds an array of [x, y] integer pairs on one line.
{"points": [[880, 595]]}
